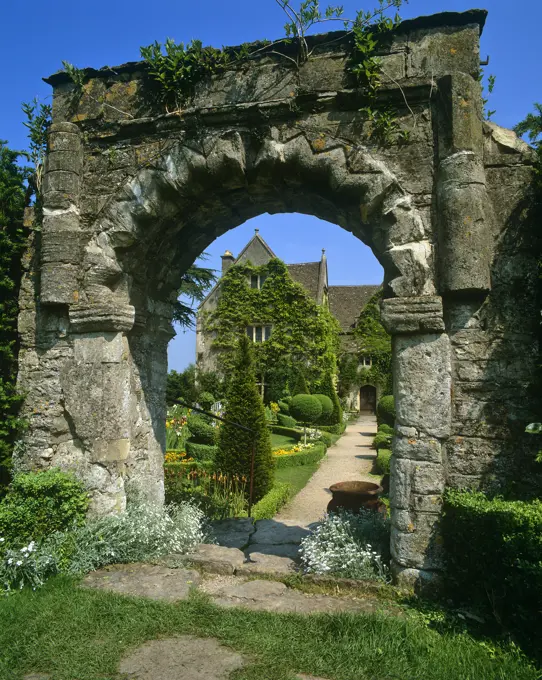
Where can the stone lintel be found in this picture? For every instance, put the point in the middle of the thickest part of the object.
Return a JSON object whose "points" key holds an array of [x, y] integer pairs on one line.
{"points": [[413, 315]]}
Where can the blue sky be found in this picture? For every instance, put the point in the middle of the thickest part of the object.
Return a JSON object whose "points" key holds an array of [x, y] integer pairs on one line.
{"points": [[37, 36]]}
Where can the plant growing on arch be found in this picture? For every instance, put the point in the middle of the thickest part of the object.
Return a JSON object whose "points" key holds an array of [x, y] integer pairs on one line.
{"points": [[245, 407]]}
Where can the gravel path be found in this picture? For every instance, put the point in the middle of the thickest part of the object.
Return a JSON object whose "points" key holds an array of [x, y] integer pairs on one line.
{"points": [[351, 458]]}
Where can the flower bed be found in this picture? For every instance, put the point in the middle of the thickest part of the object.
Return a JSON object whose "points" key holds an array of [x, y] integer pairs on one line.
{"points": [[300, 455]]}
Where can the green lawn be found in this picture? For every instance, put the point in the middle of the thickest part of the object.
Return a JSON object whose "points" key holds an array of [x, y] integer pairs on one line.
{"points": [[77, 634], [296, 476], [280, 441]]}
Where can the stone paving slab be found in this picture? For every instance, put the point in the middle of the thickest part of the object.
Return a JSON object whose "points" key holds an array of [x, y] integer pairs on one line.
{"points": [[216, 559], [273, 532], [180, 658], [144, 580], [233, 533], [267, 564], [290, 550]]}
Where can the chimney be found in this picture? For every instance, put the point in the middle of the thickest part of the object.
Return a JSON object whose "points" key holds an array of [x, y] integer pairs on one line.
{"points": [[227, 260]]}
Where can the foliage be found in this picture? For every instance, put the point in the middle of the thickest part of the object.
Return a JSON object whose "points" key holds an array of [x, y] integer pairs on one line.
{"points": [[218, 496], [301, 455], [488, 113], [287, 432], [176, 68], [203, 437], [13, 238], [338, 429], [385, 411], [284, 407], [142, 532], [39, 503], [182, 386], [507, 535], [326, 387], [176, 427], [348, 545], [211, 381], [195, 283], [268, 506], [347, 365], [38, 122], [531, 126], [303, 333], [286, 421], [300, 385], [382, 463], [386, 429], [245, 407], [306, 408], [206, 400], [327, 407], [374, 341], [382, 441]]}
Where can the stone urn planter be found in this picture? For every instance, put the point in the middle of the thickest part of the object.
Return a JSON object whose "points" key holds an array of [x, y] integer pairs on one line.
{"points": [[354, 496]]}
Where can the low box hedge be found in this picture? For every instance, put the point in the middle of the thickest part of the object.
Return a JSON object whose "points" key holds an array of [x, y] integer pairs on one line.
{"points": [[494, 558], [286, 421], [200, 452], [268, 506], [187, 466], [287, 432], [306, 457], [334, 429], [382, 463]]}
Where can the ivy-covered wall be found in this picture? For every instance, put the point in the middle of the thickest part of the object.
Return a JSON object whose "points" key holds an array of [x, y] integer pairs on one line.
{"points": [[304, 336]]}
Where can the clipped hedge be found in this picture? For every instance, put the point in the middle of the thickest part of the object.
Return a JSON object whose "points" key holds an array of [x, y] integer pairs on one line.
{"points": [[187, 466], [382, 441], [268, 506], [306, 457], [201, 430], [382, 463], [334, 429], [385, 411], [386, 429], [38, 504], [287, 432], [328, 438], [284, 407], [494, 555], [286, 421], [200, 452], [305, 408]]}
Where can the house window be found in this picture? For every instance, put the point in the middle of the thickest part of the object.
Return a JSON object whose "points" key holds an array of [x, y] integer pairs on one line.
{"points": [[366, 361], [257, 280], [259, 333]]}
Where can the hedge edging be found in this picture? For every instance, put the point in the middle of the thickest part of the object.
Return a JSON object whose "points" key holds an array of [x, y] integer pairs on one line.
{"points": [[268, 506], [307, 457]]}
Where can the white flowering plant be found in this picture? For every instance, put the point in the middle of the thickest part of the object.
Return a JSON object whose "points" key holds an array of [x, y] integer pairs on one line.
{"points": [[141, 533], [349, 545]]}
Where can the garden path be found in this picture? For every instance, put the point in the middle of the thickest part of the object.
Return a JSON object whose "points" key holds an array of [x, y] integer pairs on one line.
{"points": [[350, 459]]}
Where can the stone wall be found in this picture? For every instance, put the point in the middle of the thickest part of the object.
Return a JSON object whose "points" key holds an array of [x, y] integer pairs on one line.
{"points": [[132, 195]]}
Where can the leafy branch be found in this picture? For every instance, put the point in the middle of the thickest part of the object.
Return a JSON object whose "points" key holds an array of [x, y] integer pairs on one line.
{"points": [[195, 283]]}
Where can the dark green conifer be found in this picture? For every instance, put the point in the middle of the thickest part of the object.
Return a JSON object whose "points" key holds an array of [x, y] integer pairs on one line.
{"points": [[244, 406], [327, 387]]}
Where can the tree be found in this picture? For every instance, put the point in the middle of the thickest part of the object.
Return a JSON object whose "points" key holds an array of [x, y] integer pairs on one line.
{"points": [[531, 126], [300, 385], [306, 409], [13, 238], [181, 386], [195, 283], [326, 386], [245, 407]]}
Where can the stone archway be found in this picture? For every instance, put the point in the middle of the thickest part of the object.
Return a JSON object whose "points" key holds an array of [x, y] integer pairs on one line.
{"points": [[131, 200]]}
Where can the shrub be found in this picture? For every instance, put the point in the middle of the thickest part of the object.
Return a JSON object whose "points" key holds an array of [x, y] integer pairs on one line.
{"points": [[348, 545], [505, 537], [327, 387], [268, 506], [206, 400], [244, 406], [307, 456], [287, 432], [382, 441], [327, 438], [201, 430], [333, 429], [386, 429], [200, 452], [39, 503], [306, 408], [327, 407], [385, 411], [382, 462], [284, 407], [286, 421], [300, 385], [141, 533]]}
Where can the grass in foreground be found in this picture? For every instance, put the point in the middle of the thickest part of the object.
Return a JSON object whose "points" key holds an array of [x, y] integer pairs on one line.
{"points": [[78, 634]]}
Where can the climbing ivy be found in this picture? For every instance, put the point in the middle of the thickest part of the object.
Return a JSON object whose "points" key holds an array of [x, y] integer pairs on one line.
{"points": [[304, 334], [374, 341]]}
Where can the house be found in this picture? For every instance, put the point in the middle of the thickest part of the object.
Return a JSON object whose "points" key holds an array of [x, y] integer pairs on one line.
{"points": [[344, 302]]}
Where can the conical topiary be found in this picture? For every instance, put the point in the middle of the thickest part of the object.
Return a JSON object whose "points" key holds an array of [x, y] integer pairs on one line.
{"points": [[245, 407], [300, 385]]}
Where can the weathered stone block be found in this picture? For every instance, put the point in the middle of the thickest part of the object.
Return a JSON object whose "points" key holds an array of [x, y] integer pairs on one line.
{"points": [[421, 547], [67, 161], [400, 483], [323, 74], [444, 50], [412, 314], [427, 478], [102, 318], [62, 221], [59, 282], [100, 348], [423, 383], [61, 246], [110, 451], [61, 181], [417, 448]]}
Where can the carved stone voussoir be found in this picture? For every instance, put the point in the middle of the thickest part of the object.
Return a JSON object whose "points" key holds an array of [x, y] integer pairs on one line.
{"points": [[413, 315]]}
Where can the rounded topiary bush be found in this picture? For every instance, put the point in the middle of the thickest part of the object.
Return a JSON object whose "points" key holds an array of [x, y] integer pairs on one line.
{"points": [[206, 400], [201, 431], [382, 441], [40, 503], [306, 408], [327, 407], [284, 407], [385, 411], [386, 429]]}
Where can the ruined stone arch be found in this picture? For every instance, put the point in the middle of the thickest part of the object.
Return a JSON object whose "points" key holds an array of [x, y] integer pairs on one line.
{"points": [[132, 196]]}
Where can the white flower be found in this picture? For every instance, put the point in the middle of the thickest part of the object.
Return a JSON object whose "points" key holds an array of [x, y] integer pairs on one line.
{"points": [[18, 563], [10, 561], [2, 540]]}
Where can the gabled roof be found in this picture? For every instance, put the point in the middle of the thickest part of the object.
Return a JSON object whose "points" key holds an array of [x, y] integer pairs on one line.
{"points": [[258, 248], [308, 275], [346, 303]]}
